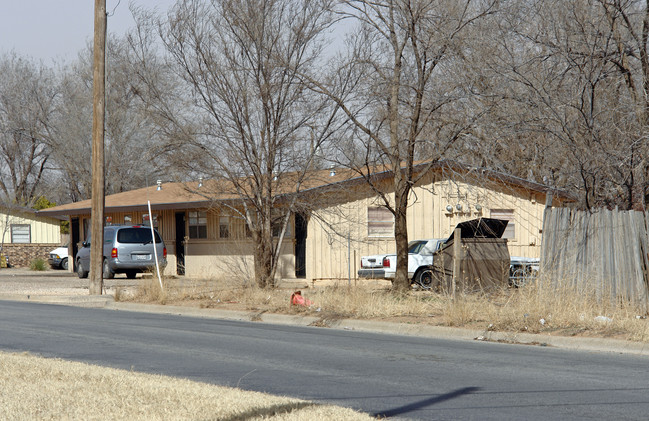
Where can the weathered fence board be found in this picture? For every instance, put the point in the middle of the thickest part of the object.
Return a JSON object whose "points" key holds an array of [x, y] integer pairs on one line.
{"points": [[604, 251]]}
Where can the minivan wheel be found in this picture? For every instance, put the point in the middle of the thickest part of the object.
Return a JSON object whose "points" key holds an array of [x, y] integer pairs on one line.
{"points": [[80, 272], [108, 274]]}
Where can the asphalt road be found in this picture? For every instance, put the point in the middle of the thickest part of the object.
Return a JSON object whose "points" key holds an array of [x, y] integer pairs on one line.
{"points": [[387, 375]]}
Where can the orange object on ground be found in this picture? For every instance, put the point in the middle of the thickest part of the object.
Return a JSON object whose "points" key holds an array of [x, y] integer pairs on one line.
{"points": [[298, 300]]}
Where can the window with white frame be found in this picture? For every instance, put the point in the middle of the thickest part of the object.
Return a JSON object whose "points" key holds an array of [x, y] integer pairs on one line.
{"points": [[380, 222], [224, 226], [506, 215], [197, 224], [21, 233]]}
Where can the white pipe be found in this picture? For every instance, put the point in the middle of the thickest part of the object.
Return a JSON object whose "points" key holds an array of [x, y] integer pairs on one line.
{"points": [[155, 248]]}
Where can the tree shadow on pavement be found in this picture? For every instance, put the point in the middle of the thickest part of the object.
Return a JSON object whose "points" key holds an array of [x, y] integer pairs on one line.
{"points": [[425, 402]]}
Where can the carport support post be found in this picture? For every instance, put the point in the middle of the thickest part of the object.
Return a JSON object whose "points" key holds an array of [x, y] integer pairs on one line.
{"points": [[98, 186], [457, 259]]}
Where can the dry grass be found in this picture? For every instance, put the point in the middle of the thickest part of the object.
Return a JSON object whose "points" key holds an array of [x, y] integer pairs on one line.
{"points": [[562, 310], [149, 290], [342, 301], [39, 388]]}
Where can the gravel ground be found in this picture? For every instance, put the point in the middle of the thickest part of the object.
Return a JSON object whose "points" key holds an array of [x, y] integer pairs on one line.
{"points": [[18, 281]]}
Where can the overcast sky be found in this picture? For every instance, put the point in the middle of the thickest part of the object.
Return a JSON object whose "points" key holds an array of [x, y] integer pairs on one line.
{"points": [[52, 30]]}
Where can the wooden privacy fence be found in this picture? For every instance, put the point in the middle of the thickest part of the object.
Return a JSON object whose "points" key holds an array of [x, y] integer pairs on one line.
{"points": [[605, 251]]}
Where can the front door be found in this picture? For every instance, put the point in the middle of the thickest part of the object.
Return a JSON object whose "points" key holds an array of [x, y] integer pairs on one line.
{"points": [[300, 245], [180, 243]]}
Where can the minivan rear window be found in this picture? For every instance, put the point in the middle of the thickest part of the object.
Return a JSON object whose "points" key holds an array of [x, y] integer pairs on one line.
{"points": [[136, 236]]}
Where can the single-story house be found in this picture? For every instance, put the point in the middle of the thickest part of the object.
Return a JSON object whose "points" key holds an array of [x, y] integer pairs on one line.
{"points": [[26, 235], [340, 219]]}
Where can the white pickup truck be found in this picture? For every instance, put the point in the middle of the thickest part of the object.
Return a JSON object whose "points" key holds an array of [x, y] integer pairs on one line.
{"points": [[522, 270], [58, 258], [489, 256], [420, 257]]}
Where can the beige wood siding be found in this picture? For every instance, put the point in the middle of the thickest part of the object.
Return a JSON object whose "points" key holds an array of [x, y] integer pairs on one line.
{"points": [[166, 222], [327, 245], [43, 230], [230, 260], [337, 232], [212, 257], [527, 211], [167, 227]]}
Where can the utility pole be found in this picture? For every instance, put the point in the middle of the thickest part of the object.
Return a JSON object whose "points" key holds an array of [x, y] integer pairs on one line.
{"points": [[98, 125]]}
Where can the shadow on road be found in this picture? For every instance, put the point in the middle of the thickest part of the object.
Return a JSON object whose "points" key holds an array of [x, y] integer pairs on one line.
{"points": [[425, 402]]}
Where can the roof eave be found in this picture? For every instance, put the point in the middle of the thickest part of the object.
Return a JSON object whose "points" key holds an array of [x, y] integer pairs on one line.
{"points": [[129, 208]]}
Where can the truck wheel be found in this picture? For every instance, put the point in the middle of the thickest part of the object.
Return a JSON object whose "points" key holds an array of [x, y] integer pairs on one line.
{"points": [[425, 278], [518, 279]]}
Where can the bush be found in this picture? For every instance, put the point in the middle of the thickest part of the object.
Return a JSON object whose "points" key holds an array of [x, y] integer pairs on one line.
{"points": [[38, 264]]}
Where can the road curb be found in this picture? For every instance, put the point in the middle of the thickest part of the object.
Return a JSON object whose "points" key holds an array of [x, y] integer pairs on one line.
{"points": [[407, 329], [91, 301], [572, 343]]}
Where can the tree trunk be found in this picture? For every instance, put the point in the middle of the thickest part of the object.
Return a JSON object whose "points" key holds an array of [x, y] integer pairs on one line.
{"points": [[401, 280], [263, 257], [264, 262]]}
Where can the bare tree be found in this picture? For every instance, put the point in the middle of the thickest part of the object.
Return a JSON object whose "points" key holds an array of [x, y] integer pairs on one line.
{"points": [[130, 136], [71, 137], [573, 81], [248, 119], [398, 87], [27, 102]]}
